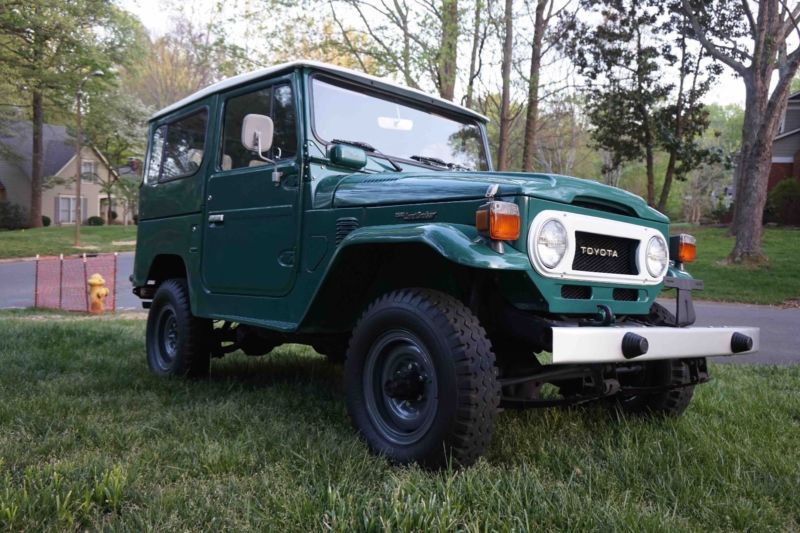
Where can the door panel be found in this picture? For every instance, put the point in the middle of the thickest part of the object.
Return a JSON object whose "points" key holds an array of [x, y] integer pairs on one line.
{"points": [[251, 223]]}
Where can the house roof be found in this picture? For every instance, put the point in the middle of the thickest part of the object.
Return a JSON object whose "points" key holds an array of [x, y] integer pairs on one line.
{"points": [[786, 134], [794, 97], [241, 79], [18, 140], [59, 149]]}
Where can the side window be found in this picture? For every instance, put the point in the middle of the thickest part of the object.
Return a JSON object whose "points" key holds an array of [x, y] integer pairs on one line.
{"points": [[234, 154], [276, 102], [283, 115], [156, 152], [184, 146]]}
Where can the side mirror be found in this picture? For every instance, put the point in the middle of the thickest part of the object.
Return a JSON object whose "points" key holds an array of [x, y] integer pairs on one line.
{"points": [[347, 156], [257, 133]]}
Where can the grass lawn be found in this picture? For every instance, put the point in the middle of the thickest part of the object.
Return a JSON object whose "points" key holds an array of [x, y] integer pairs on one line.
{"points": [[59, 240], [775, 283], [89, 439]]}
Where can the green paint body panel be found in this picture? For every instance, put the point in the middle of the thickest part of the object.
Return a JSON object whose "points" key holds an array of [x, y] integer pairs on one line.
{"points": [[281, 249]]}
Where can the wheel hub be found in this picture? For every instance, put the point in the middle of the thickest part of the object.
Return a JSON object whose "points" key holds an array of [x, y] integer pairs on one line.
{"points": [[406, 384]]}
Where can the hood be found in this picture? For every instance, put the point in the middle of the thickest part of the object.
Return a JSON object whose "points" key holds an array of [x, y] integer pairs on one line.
{"points": [[359, 190]]}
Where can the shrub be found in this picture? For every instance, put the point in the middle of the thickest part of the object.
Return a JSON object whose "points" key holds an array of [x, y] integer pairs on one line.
{"points": [[783, 203], [114, 215], [45, 220], [95, 221], [13, 216]]}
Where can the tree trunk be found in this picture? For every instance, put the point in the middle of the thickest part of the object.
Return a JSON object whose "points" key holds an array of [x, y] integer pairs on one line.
{"points": [[448, 51], [532, 117], [678, 132], [37, 159], [473, 56], [651, 182], [505, 111]]}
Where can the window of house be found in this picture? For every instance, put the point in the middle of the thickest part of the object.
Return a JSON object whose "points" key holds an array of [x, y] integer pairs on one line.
{"points": [[65, 209], [276, 102], [177, 149], [88, 168]]}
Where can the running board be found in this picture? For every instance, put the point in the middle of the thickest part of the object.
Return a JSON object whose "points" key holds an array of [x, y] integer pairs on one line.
{"points": [[605, 344]]}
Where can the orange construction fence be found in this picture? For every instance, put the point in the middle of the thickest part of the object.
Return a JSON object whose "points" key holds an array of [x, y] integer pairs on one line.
{"points": [[61, 282]]}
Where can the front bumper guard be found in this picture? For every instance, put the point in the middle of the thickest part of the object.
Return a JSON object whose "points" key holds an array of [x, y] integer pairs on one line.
{"points": [[605, 344]]}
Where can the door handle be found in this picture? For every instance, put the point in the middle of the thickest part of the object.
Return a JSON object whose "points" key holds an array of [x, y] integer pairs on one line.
{"points": [[219, 219]]}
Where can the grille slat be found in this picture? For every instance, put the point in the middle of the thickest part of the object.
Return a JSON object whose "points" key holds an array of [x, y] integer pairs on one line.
{"points": [[626, 295], [604, 253], [576, 292], [344, 226]]}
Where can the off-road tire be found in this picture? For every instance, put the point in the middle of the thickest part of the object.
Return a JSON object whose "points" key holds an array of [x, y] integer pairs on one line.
{"points": [[465, 377], [672, 402], [178, 343]]}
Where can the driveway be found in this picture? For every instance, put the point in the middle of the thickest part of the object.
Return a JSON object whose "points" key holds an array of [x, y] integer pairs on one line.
{"points": [[780, 328]]}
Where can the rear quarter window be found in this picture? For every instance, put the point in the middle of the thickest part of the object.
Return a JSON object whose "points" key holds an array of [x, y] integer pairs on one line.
{"points": [[177, 149]]}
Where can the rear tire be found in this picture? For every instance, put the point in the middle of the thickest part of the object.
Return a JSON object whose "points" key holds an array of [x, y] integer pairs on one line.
{"points": [[420, 379], [178, 343]]}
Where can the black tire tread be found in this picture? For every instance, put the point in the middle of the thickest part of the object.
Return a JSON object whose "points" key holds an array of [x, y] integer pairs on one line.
{"points": [[193, 360], [479, 390]]}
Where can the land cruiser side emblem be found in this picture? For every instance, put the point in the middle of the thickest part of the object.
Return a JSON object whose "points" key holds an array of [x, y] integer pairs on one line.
{"points": [[602, 252], [415, 215]]}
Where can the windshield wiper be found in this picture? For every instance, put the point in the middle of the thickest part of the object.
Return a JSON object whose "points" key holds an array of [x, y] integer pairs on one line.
{"points": [[360, 144], [435, 161], [369, 148]]}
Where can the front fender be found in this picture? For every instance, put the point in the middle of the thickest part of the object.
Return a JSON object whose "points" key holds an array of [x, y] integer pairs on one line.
{"points": [[458, 243]]}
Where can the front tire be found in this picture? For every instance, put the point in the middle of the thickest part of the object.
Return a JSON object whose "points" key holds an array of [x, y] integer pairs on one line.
{"points": [[420, 379], [178, 343], [669, 373]]}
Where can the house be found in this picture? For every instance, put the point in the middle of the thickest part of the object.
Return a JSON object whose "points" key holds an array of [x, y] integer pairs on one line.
{"points": [[58, 194], [786, 145]]}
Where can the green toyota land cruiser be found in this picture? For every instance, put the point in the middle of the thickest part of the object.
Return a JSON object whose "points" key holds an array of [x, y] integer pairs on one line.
{"points": [[306, 203]]}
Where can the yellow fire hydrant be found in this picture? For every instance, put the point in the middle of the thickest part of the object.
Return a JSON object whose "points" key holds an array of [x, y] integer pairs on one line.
{"points": [[97, 294]]}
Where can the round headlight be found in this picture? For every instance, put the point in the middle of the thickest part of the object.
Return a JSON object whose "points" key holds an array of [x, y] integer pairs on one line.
{"points": [[551, 244], [656, 256]]}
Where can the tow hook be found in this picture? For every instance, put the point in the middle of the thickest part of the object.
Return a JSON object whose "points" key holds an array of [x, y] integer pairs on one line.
{"points": [[603, 317]]}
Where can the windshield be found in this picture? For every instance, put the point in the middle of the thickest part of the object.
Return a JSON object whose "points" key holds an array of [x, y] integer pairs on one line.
{"points": [[395, 129]]}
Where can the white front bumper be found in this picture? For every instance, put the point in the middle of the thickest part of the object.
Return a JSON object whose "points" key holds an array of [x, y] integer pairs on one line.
{"points": [[604, 344]]}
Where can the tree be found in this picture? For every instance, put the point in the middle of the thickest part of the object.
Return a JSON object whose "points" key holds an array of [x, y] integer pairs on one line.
{"points": [[505, 98], [183, 61], [48, 47], [630, 52], [418, 39], [752, 40], [542, 17]]}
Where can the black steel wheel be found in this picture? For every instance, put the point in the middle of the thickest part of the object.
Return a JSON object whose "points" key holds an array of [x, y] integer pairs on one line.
{"points": [[178, 343], [420, 379]]}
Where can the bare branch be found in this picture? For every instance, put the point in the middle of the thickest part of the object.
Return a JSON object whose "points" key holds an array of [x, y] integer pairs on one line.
{"points": [[712, 48]]}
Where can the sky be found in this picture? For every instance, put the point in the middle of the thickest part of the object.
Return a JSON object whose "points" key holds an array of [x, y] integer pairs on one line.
{"points": [[728, 90]]}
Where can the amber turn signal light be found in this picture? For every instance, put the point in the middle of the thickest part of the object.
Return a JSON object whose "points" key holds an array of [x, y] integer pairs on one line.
{"points": [[499, 220], [683, 248]]}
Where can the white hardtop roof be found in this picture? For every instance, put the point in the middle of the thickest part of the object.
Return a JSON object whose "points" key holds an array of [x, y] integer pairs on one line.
{"points": [[242, 79]]}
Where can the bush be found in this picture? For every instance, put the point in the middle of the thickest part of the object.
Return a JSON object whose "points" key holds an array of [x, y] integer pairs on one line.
{"points": [[95, 221], [783, 203], [45, 220], [13, 216], [114, 215]]}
